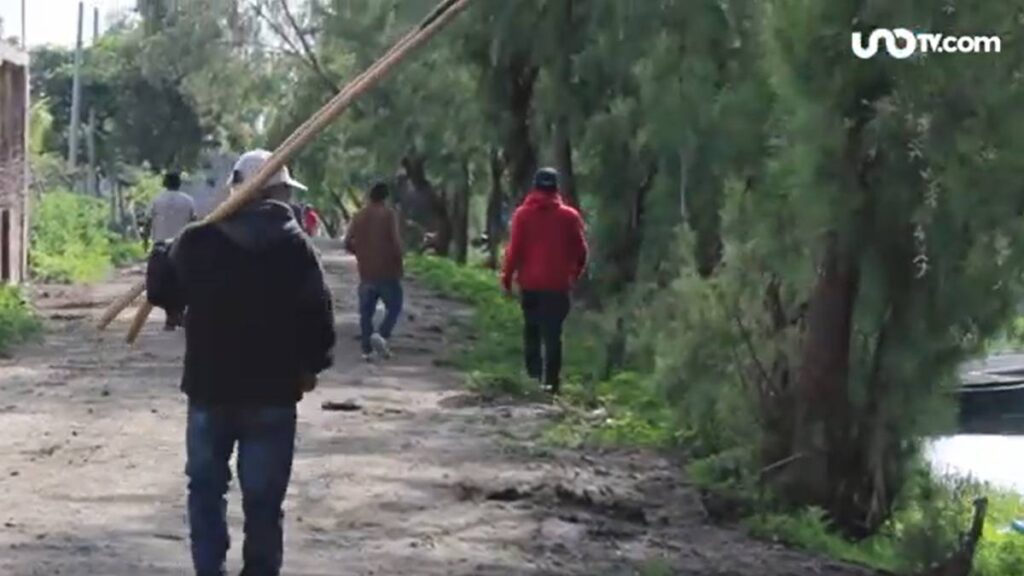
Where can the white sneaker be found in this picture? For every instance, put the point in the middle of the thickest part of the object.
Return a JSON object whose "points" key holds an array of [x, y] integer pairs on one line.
{"points": [[380, 346], [368, 358]]}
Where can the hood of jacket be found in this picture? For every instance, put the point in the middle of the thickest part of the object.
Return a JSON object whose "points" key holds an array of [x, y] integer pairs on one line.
{"points": [[261, 225], [541, 200]]}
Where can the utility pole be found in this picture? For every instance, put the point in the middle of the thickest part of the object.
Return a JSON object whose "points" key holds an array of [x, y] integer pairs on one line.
{"points": [[24, 41], [94, 185], [76, 102]]}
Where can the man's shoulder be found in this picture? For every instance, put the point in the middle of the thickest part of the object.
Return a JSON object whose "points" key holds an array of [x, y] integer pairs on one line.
{"points": [[359, 217], [195, 232], [570, 213], [375, 211]]}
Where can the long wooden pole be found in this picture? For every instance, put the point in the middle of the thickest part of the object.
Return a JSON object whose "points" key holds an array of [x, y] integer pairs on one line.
{"points": [[440, 17]]}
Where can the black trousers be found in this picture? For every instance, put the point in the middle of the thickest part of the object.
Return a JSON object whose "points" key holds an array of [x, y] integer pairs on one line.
{"points": [[544, 315]]}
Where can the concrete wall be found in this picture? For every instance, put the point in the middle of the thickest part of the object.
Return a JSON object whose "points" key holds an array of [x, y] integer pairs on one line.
{"points": [[14, 214]]}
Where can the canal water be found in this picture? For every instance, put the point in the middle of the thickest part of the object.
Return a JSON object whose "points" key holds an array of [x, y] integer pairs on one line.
{"points": [[989, 445], [991, 458]]}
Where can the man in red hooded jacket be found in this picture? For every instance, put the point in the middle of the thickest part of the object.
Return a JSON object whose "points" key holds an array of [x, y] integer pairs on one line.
{"points": [[546, 255]]}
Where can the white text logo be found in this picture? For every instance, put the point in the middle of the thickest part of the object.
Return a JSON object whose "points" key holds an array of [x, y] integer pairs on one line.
{"points": [[901, 43]]}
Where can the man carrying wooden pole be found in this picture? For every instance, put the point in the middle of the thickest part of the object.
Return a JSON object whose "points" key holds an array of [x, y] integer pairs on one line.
{"points": [[260, 328]]}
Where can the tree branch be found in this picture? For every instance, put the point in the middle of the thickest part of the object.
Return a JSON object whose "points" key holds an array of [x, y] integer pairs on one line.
{"points": [[307, 50], [301, 53]]}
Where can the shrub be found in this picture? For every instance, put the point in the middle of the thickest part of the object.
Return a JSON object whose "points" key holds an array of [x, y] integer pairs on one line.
{"points": [[17, 323], [70, 241], [123, 252]]}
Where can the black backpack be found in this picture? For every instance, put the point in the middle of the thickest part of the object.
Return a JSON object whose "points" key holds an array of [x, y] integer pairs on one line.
{"points": [[162, 288]]}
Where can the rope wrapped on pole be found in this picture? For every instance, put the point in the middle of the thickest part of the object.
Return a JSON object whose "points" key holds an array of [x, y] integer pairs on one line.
{"points": [[440, 17]]}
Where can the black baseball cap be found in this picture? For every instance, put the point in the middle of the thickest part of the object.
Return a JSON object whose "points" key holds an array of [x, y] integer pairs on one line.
{"points": [[546, 179]]}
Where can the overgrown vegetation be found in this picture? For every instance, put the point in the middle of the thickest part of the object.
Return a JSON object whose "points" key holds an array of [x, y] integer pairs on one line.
{"points": [[17, 323], [925, 527], [71, 242], [628, 409]]}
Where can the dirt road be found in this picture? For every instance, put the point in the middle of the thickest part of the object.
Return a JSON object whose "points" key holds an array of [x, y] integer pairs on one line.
{"points": [[416, 482]]}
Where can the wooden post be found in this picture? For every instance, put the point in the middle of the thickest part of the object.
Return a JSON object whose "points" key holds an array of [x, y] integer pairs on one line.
{"points": [[76, 100], [92, 187]]}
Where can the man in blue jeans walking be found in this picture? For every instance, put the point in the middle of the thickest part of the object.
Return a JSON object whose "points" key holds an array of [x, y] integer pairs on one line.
{"points": [[260, 328], [374, 239]]}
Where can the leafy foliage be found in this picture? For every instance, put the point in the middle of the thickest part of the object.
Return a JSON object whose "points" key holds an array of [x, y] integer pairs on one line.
{"points": [[17, 323], [70, 241]]}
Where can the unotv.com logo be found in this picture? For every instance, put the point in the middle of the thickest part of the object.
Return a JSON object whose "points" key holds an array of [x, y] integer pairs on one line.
{"points": [[902, 43]]}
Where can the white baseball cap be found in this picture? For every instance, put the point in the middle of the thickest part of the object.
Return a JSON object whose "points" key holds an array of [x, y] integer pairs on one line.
{"points": [[251, 162]]}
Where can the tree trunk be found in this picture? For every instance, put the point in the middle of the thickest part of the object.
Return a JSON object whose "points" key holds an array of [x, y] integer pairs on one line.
{"points": [[460, 216], [703, 203], [522, 154], [440, 225], [495, 204], [625, 269], [822, 417], [563, 130], [564, 163]]}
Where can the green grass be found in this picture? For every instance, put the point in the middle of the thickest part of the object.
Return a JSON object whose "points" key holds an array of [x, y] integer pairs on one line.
{"points": [[17, 323], [495, 318], [622, 410], [124, 252], [1002, 551], [925, 529], [909, 541]]}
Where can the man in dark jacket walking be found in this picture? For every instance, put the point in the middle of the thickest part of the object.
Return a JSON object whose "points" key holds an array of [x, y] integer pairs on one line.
{"points": [[260, 329], [546, 255]]}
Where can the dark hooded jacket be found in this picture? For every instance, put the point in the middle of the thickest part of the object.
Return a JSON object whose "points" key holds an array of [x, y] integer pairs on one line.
{"points": [[259, 313]]}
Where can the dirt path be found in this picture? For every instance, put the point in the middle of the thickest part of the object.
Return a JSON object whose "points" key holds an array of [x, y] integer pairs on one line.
{"points": [[417, 482]]}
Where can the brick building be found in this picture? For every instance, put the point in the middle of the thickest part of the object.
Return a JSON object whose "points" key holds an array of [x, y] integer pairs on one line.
{"points": [[14, 112]]}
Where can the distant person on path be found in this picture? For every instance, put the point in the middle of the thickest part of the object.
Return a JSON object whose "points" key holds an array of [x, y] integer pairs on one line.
{"points": [[311, 221], [169, 213], [546, 255], [260, 329], [171, 210], [374, 238]]}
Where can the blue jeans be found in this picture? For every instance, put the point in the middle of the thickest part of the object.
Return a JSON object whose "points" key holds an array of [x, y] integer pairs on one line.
{"points": [[266, 446], [369, 294]]}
